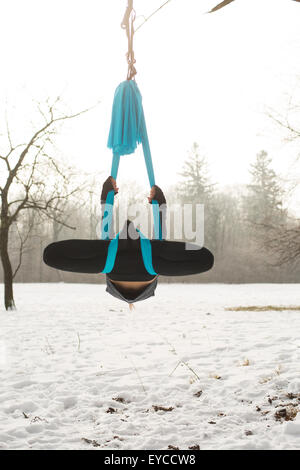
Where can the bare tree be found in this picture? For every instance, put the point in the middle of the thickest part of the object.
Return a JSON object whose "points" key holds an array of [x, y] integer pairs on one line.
{"points": [[284, 240], [32, 179], [289, 121]]}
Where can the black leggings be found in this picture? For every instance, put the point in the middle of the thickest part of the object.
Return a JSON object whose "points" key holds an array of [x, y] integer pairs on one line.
{"points": [[89, 256], [82, 256]]}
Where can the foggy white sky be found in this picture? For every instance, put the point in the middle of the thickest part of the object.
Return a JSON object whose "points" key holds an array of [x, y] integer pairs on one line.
{"points": [[204, 78]]}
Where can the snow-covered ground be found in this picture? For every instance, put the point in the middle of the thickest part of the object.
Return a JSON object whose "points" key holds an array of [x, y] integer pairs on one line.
{"points": [[78, 370]]}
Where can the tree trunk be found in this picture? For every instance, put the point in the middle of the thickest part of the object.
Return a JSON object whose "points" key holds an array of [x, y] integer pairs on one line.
{"points": [[7, 269]]}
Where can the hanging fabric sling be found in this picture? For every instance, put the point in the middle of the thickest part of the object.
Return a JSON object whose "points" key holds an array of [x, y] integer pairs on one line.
{"points": [[127, 130]]}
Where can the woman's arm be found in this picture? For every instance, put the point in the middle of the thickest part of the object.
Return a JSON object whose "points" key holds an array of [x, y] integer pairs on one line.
{"points": [[109, 184], [157, 195]]}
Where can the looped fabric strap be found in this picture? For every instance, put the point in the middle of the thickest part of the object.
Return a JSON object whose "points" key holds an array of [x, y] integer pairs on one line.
{"points": [[127, 23], [146, 254], [127, 130]]}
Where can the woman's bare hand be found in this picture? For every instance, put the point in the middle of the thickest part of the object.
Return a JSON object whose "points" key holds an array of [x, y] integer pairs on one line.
{"points": [[109, 184], [151, 195], [157, 194], [114, 184]]}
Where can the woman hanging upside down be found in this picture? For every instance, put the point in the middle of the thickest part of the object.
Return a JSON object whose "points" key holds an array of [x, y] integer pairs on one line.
{"points": [[129, 280]]}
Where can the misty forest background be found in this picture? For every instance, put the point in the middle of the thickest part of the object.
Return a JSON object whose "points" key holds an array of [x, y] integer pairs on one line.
{"points": [[251, 230]]}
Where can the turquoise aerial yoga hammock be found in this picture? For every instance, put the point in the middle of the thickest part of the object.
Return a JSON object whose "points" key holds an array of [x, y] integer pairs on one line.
{"points": [[127, 131]]}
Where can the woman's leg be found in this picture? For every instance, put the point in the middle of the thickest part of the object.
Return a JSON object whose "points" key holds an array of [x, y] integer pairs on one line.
{"points": [[82, 256], [171, 258]]}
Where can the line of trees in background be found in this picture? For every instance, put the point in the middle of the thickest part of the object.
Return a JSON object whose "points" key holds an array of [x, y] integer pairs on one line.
{"points": [[248, 227], [242, 223], [243, 226], [252, 234]]}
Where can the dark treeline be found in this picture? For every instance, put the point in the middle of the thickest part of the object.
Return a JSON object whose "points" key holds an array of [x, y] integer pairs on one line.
{"points": [[241, 224]]}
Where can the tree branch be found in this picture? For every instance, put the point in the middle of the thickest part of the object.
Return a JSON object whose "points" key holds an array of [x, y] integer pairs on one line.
{"points": [[21, 248], [220, 5], [152, 14], [34, 138]]}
